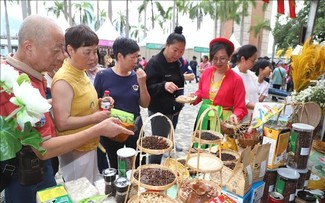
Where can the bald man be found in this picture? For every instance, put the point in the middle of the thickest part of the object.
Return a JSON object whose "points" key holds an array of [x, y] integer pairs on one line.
{"points": [[40, 49]]}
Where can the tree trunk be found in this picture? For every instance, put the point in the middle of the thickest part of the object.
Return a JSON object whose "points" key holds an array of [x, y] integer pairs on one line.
{"points": [[29, 8], [7, 28], [152, 16], [36, 6], [110, 10], [127, 20], [70, 13], [241, 38], [24, 9], [65, 10], [174, 15], [145, 22]]}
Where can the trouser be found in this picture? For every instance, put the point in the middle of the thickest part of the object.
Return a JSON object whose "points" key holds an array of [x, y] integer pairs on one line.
{"points": [[276, 87], [75, 165], [17, 193], [161, 127]]}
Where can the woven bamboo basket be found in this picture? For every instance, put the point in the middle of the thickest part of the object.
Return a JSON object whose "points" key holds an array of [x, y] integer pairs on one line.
{"points": [[151, 197], [198, 137], [155, 151], [152, 187], [169, 139]]}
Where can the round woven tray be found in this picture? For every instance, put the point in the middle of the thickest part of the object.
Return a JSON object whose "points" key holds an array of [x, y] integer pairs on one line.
{"points": [[204, 162], [152, 187], [204, 141], [183, 194], [184, 99], [151, 197], [156, 151]]}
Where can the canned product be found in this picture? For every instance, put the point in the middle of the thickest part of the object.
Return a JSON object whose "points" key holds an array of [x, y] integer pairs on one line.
{"points": [[275, 197], [286, 183], [125, 160]]}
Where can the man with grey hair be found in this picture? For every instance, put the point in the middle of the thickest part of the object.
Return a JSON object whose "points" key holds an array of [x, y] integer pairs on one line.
{"points": [[40, 49]]}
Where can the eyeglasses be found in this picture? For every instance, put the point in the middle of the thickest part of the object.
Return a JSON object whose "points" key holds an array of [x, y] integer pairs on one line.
{"points": [[221, 59]]}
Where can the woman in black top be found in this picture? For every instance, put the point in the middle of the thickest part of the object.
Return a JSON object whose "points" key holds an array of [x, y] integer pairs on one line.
{"points": [[164, 78]]}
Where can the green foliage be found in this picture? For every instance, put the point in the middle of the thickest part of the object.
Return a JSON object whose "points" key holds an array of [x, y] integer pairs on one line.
{"points": [[13, 139], [9, 136], [288, 34]]}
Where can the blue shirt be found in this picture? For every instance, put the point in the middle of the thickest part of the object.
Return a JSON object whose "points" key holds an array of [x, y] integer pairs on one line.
{"points": [[124, 90]]}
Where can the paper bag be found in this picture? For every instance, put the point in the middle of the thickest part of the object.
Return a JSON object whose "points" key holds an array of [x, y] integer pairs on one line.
{"points": [[259, 159], [242, 177]]}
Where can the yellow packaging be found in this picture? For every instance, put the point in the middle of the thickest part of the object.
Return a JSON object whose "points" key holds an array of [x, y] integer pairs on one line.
{"points": [[56, 194], [278, 137]]}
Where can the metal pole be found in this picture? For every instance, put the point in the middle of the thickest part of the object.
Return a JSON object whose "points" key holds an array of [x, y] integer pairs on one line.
{"points": [[311, 19]]}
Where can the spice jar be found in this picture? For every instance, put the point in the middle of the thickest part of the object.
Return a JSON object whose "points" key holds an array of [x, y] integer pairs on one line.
{"points": [[109, 177], [121, 185], [300, 143]]}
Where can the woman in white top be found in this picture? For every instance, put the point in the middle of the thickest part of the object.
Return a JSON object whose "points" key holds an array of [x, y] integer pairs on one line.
{"points": [[262, 70], [246, 57]]}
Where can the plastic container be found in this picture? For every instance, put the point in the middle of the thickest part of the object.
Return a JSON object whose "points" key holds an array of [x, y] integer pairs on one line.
{"points": [[286, 183], [303, 179], [125, 157], [299, 147], [105, 104]]}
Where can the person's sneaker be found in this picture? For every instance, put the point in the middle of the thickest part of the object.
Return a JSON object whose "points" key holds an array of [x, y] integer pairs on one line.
{"points": [[179, 148]]}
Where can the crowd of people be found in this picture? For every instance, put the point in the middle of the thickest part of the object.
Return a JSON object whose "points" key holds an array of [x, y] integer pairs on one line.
{"points": [[78, 73]]}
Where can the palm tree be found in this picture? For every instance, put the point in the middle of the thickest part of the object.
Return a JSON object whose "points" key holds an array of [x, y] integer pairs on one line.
{"points": [[143, 8], [227, 10], [161, 12], [258, 30], [101, 19], [120, 22], [244, 12], [57, 9], [85, 11]]}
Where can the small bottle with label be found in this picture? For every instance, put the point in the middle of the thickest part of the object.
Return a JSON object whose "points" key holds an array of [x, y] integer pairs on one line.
{"points": [[105, 104]]}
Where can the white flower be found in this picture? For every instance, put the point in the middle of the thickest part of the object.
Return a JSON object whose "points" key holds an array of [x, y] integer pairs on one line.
{"points": [[33, 105], [8, 77]]}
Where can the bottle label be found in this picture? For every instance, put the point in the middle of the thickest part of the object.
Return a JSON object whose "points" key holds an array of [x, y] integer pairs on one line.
{"points": [[105, 105]]}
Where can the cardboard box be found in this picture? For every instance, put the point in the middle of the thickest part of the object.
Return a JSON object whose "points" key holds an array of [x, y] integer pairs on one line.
{"points": [[257, 191], [56, 194], [278, 137], [239, 199]]}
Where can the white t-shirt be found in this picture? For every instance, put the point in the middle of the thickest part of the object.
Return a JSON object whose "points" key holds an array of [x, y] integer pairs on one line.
{"points": [[263, 88], [251, 87]]}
